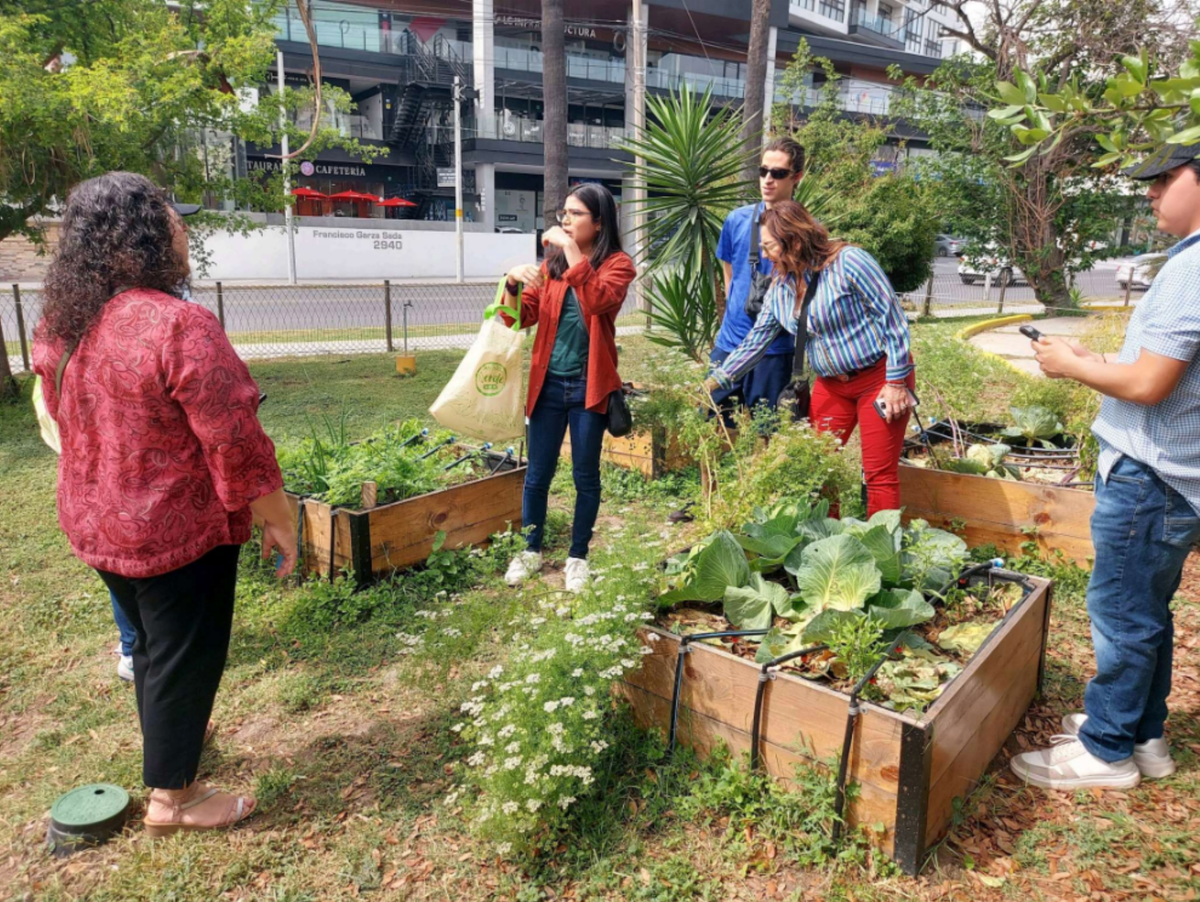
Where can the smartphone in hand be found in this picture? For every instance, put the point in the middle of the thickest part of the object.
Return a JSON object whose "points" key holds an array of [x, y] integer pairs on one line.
{"points": [[913, 403], [1031, 333]]}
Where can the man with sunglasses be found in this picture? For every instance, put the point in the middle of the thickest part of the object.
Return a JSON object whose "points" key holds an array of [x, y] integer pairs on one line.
{"points": [[781, 171]]}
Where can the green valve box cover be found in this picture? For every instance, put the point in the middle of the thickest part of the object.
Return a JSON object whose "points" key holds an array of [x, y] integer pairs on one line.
{"points": [[87, 815]]}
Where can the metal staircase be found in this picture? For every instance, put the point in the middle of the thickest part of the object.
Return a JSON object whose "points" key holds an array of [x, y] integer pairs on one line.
{"points": [[427, 82]]}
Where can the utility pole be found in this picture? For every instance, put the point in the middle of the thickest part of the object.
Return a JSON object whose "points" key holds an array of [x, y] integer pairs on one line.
{"points": [[287, 182], [637, 196], [458, 181]]}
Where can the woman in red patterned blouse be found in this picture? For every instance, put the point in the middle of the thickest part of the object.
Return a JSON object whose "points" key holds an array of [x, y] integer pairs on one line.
{"points": [[163, 465]]}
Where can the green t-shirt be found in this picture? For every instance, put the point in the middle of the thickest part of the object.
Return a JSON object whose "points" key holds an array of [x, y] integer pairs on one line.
{"points": [[570, 355]]}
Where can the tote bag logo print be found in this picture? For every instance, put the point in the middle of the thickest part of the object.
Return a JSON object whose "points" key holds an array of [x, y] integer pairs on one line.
{"points": [[491, 378], [483, 397]]}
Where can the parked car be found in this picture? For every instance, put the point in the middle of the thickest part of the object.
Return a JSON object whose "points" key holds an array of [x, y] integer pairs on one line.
{"points": [[976, 269], [1140, 271], [949, 247]]}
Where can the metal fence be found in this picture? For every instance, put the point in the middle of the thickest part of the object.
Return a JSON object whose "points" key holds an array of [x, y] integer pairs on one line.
{"points": [[265, 321]]}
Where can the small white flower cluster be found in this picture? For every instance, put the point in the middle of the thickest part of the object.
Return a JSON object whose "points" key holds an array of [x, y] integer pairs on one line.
{"points": [[536, 723]]}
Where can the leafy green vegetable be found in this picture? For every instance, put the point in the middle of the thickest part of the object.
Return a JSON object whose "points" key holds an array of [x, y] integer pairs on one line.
{"points": [[824, 627], [838, 572], [755, 606], [1034, 424], [899, 609], [931, 557], [885, 549], [721, 564], [965, 638]]}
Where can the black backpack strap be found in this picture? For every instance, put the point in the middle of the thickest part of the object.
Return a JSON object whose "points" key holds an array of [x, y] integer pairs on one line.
{"points": [[814, 280], [754, 254]]}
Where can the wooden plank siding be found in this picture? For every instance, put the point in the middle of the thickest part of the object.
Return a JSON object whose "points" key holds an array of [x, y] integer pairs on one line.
{"points": [[909, 770], [997, 511]]}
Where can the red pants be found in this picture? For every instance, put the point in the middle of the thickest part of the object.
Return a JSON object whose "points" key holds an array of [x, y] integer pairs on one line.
{"points": [[838, 407]]}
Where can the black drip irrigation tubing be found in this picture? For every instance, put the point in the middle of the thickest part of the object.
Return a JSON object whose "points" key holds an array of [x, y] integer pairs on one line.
{"points": [[993, 572], [1016, 452], [764, 676], [684, 647]]}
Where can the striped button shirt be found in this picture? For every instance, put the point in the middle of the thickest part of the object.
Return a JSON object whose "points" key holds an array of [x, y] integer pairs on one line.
{"points": [[854, 320], [1163, 436]]}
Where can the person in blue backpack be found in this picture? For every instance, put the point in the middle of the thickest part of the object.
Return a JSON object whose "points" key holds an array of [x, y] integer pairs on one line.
{"points": [[747, 276]]}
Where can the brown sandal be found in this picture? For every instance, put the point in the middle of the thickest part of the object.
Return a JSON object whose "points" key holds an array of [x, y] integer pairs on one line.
{"points": [[243, 807]]}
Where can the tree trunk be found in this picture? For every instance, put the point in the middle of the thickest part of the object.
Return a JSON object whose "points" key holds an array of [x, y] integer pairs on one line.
{"points": [[8, 384], [756, 77], [554, 99]]}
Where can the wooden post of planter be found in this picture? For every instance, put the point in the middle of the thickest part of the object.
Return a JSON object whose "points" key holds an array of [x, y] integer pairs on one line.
{"points": [[370, 495]]}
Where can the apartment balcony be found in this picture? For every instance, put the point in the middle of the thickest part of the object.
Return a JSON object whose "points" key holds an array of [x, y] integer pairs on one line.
{"points": [[877, 31], [822, 16], [530, 131]]}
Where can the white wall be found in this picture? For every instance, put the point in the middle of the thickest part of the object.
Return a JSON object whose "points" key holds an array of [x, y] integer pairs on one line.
{"points": [[328, 252]]}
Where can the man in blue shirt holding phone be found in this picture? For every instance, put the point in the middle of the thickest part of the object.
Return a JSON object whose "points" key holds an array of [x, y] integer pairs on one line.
{"points": [[780, 172]]}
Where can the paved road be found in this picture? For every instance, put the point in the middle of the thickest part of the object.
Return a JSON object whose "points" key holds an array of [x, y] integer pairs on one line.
{"points": [[438, 314], [280, 307]]}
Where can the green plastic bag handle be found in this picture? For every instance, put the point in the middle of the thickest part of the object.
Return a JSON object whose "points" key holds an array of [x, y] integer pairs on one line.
{"points": [[499, 304]]}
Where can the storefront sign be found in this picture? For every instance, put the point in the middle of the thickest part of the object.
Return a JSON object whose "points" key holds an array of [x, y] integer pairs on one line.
{"points": [[446, 178], [571, 31], [333, 169]]}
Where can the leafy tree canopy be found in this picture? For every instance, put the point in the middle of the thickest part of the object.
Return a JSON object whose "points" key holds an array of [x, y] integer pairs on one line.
{"points": [[99, 85]]}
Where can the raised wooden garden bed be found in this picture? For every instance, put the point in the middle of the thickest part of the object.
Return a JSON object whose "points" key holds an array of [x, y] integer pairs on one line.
{"points": [[651, 452], [1001, 512], [909, 769], [376, 541]]}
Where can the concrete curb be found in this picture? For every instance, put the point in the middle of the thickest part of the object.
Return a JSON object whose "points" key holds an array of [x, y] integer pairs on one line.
{"points": [[987, 325]]}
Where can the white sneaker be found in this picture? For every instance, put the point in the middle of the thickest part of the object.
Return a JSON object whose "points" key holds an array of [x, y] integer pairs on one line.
{"points": [[1152, 757], [125, 668], [523, 566], [1067, 765], [578, 573]]}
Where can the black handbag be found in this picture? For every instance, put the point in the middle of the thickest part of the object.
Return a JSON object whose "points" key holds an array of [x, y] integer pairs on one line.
{"points": [[760, 282], [797, 397], [620, 420]]}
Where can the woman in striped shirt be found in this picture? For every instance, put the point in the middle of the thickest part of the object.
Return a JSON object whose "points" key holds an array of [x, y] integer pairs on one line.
{"points": [[858, 341]]}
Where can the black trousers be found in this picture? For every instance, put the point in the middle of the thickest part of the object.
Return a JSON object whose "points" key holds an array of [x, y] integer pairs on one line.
{"points": [[183, 620]]}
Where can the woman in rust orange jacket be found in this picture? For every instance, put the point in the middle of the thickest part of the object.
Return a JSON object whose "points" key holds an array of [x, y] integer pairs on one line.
{"points": [[574, 299]]}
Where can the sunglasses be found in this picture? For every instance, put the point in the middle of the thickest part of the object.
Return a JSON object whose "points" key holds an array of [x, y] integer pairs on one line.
{"points": [[778, 174]]}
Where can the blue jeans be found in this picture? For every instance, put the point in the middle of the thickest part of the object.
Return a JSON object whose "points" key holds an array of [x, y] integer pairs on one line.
{"points": [[559, 406], [124, 627], [762, 385], [1142, 530]]}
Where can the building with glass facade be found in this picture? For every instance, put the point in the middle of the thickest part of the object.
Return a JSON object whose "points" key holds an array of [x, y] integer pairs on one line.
{"points": [[397, 59]]}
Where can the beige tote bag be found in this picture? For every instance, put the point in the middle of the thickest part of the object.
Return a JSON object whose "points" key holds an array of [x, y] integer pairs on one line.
{"points": [[483, 397]]}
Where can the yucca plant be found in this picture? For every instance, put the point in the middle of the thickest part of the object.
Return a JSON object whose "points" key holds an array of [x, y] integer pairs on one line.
{"points": [[691, 158]]}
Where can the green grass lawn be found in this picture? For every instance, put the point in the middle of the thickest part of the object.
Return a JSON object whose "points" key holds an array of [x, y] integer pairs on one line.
{"points": [[346, 739]]}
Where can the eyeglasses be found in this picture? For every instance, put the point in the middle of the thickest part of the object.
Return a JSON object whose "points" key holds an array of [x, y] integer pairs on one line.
{"points": [[565, 216], [778, 174]]}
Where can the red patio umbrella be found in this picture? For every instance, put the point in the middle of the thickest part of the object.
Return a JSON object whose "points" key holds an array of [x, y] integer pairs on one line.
{"points": [[310, 193], [395, 202], [355, 196]]}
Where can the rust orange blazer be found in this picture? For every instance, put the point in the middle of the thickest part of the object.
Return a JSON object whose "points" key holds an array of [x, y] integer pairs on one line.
{"points": [[600, 293]]}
